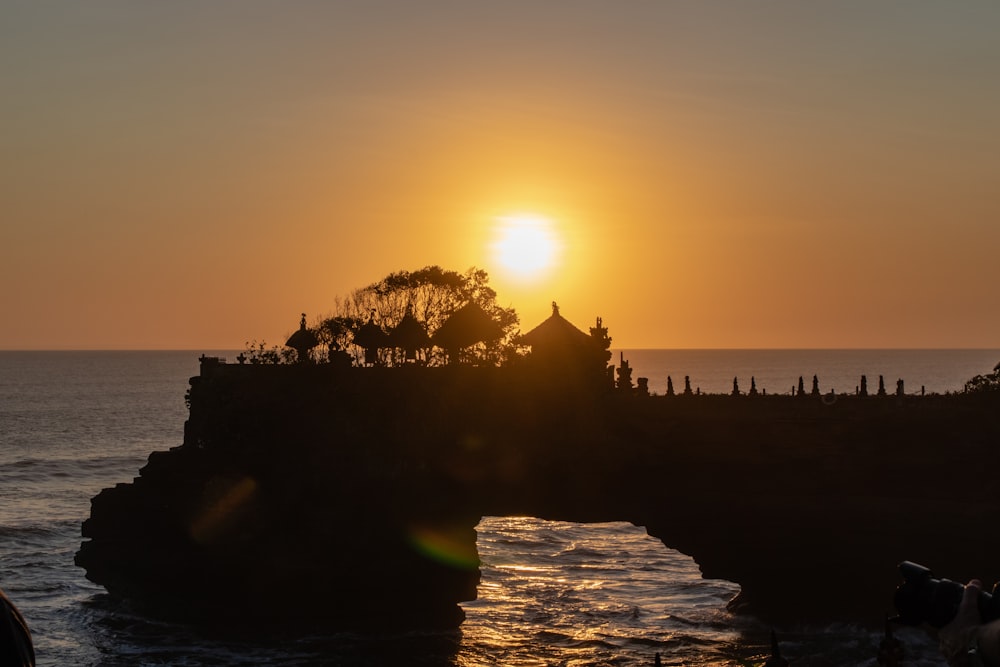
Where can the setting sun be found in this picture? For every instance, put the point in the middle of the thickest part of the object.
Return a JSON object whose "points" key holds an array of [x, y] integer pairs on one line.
{"points": [[525, 245]]}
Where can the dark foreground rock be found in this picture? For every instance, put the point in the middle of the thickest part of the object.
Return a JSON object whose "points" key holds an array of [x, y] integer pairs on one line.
{"points": [[348, 498]]}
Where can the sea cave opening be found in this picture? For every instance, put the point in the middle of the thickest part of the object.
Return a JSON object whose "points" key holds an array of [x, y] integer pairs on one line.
{"points": [[560, 587]]}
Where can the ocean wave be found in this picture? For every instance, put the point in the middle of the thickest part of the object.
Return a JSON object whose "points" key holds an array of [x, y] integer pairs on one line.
{"points": [[43, 470], [27, 531]]}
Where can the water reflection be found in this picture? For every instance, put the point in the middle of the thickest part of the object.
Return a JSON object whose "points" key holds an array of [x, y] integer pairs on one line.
{"points": [[557, 593], [564, 593], [551, 594]]}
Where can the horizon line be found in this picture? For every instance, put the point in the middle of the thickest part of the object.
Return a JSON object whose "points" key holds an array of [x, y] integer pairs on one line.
{"points": [[626, 349]]}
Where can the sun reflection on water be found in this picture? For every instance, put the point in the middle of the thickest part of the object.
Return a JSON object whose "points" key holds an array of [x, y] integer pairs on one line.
{"points": [[564, 593]]}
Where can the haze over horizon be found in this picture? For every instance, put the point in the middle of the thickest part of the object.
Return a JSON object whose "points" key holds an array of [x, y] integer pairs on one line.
{"points": [[191, 175]]}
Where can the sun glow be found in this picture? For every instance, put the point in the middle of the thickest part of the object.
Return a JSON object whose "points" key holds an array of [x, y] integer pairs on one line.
{"points": [[525, 246]]}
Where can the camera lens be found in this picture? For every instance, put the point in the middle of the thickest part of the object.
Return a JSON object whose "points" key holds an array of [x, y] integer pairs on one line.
{"points": [[923, 599]]}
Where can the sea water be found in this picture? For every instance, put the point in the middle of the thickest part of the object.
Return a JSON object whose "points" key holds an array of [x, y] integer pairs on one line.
{"points": [[72, 423]]}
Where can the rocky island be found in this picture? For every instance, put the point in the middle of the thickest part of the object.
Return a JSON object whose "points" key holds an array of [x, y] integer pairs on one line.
{"points": [[335, 495]]}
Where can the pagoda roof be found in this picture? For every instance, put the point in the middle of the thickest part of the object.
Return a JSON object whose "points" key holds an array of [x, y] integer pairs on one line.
{"points": [[303, 339], [556, 330], [409, 334], [370, 336]]}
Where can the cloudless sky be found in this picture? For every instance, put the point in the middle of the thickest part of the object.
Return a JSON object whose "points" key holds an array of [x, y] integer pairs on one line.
{"points": [[751, 174]]}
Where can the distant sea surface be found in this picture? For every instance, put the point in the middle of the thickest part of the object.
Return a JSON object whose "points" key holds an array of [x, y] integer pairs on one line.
{"points": [[72, 423]]}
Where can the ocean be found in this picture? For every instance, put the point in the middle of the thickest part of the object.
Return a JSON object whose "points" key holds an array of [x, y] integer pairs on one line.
{"points": [[72, 423]]}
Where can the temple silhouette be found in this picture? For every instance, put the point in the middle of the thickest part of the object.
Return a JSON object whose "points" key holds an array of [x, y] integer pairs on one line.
{"points": [[343, 493]]}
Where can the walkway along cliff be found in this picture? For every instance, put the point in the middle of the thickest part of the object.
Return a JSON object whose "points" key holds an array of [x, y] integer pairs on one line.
{"points": [[341, 497]]}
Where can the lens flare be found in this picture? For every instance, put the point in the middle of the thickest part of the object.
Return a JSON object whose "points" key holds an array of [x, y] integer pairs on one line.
{"points": [[226, 503], [453, 546]]}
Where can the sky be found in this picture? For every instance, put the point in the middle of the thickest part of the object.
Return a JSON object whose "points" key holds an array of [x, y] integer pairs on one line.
{"points": [[775, 174]]}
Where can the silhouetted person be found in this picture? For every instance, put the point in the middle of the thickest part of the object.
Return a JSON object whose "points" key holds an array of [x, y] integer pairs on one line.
{"points": [[815, 389], [881, 386], [670, 386], [864, 386], [687, 385], [657, 662], [16, 649], [802, 387]]}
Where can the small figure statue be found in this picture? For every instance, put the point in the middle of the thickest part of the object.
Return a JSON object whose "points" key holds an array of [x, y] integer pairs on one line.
{"points": [[890, 649], [775, 660]]}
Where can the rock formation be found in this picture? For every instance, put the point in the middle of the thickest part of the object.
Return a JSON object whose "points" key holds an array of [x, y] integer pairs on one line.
{"points": [[348, 497]]}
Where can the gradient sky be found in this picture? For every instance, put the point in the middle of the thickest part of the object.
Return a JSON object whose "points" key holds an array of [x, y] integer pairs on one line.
{"points": [[194, 175]]}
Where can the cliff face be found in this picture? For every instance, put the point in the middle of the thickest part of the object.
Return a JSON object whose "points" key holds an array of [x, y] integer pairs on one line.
{"points": [[348, 498], [290, 500]]}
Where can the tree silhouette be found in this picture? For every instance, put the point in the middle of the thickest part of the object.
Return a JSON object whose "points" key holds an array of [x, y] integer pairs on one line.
{"points": [[431, 295], [259, 353], [984, 383], [336, 333]]}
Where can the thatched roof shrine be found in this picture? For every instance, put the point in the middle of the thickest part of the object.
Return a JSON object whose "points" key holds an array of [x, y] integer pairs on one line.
{"points": [[410, 335], [302, 340], [467, 326], [556, 333], [371, 338]]}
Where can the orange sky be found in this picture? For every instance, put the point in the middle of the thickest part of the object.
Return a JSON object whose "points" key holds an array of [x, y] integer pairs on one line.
{"points": [[782, 174]]}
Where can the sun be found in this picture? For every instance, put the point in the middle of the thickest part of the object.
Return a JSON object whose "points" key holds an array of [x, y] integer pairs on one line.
{"points": [[525, 245]]}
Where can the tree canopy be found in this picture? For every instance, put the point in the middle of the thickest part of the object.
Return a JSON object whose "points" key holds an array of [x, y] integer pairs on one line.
{"points": [[430, 295], [985, 382]]}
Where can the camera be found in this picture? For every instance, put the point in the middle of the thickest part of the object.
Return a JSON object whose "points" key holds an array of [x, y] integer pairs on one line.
{"points": [[923, 599]]}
